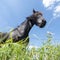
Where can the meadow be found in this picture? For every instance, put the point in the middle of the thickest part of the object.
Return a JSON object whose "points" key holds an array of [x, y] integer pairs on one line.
{"points": [[18, 51]]}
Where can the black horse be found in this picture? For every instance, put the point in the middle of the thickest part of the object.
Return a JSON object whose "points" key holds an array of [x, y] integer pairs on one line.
{"points": [[22, 31]]}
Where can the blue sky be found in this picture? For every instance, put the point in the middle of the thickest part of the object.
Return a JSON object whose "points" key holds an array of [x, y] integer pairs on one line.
{"points": [[14, 12]]}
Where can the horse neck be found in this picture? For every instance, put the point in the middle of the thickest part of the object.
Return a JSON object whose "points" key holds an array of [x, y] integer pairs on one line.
{"points": [[25, 27], [29, 25]]}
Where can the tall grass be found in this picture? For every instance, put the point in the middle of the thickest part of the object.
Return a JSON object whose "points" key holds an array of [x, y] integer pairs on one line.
{"points": [[17, 51]]}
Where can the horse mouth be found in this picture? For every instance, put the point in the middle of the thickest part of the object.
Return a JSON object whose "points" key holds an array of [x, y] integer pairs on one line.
{"points": [[42, 24]]}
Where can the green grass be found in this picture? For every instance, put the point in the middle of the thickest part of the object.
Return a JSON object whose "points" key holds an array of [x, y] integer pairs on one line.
{"points": [[17, 51]]}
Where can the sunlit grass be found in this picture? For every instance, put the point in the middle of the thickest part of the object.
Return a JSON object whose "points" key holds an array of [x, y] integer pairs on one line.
{"points": [[18, 51]]}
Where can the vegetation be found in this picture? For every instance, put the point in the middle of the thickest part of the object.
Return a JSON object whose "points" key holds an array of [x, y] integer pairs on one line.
{"points": [[17, 51]]}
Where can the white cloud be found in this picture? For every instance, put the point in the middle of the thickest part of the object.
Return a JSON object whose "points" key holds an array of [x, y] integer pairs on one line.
{"points": [[57, 11], [48, 3], [54, 5]]}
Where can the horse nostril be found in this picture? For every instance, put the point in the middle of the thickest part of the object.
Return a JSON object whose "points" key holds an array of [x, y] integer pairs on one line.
{"points": [[44, 21]]}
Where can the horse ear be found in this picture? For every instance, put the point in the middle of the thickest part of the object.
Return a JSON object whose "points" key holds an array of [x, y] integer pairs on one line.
{"points": [[34, 11]]}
